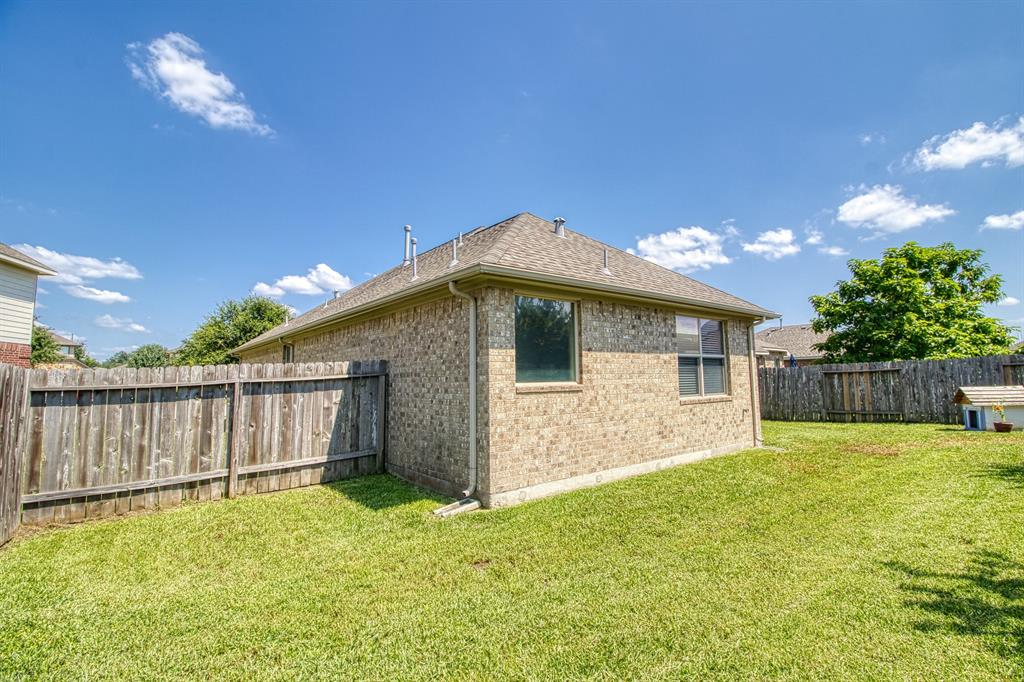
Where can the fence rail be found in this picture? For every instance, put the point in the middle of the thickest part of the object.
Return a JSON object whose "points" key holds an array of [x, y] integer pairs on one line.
{"points": [[912, 390], [103, 442]]}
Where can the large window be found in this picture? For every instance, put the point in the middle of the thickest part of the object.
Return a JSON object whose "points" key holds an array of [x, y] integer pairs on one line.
{"points": [[545, 340], [702, 362]]}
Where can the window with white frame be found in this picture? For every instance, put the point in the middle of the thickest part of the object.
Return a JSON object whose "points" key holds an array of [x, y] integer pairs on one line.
{"points": [[703, 366], [287, 352]]}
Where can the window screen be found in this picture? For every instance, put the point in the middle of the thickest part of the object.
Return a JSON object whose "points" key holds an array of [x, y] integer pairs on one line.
{"points": [[703, 369], [545, 340]]}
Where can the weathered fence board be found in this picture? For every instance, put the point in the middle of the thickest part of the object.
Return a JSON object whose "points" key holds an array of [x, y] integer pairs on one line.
{"points": [[912, 391], [104, 442], [14, 429]]}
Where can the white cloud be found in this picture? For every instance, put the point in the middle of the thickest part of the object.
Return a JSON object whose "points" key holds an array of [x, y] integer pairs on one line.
{"points": [[684, 249], [833, 251], [979, 143], [1013, 221], [173, 66], [1008, 300], [814, 237], [773, 244], [318, 280], [122, 323], [72, 269], [40, 290], [868, 138], [92, 294], [884, 209]]}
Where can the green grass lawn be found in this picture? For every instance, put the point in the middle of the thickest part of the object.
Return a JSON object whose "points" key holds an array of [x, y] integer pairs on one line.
{"points": [[851, 551]]}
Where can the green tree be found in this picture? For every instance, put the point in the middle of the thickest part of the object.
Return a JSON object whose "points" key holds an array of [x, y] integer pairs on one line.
{"points": [[44, 347], [82, 356], [229, 326], [150, 355], [916, 302], [118, 359]]}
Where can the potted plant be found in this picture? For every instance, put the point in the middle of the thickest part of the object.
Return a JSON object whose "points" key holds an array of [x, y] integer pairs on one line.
{"points": [[1002, 426]]}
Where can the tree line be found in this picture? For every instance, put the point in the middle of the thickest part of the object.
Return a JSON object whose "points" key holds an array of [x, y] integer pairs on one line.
{"points": [[229, 326]]}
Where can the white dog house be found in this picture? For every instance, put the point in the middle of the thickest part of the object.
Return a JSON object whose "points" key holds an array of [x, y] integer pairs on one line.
{"points": [[977, 402]]}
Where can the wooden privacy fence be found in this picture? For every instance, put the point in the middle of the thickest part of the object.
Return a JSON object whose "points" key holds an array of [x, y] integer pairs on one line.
{"points": [[108, 441], [911, 390], [13, 402]]}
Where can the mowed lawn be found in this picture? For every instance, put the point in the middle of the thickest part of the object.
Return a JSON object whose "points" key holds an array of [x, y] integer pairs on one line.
{"points": [[844, 551]]}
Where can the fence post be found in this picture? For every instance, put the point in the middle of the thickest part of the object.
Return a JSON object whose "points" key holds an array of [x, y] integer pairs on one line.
{"points": [[382, 383], [236, 437]]}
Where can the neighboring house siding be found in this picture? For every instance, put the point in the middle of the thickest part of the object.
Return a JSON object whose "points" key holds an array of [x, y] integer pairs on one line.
{"points": [[17, 304], [627, 413], [426, 347]]}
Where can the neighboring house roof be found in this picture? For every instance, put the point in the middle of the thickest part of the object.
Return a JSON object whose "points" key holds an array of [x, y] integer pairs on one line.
{"points": [[797, 339], [63, 340], [762, 348], [989, 395], [17, 258], [524, 247], [1018, 347]]}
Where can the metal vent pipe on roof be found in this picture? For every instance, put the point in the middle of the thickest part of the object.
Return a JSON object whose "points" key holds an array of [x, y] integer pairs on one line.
{"points": [[408, 234], [455, 253], [560, 227], [605, 269], [414, 273]]}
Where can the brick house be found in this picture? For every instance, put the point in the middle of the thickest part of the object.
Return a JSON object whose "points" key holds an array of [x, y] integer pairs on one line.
{"points": [[570, 362], [18, 276]]}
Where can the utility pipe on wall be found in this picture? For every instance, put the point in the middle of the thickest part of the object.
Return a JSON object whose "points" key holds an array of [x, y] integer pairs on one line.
{"points": [[471, 488], [754, 398]]}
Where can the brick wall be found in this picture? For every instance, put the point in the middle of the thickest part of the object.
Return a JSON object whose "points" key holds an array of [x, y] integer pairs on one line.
{"points": [[626, 411], [426, 347], [15, 354]]}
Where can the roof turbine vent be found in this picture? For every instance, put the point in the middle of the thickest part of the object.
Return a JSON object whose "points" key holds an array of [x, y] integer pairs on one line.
{"points": [[560, 227]]}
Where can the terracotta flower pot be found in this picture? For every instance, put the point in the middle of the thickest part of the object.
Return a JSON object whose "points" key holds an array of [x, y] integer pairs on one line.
{"points": [[1003, 427]]}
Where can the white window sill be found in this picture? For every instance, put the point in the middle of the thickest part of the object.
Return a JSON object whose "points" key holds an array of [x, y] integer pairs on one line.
{"points": [[550, 387], [703, 399]]}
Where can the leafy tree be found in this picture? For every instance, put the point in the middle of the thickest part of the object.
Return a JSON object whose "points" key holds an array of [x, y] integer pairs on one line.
{"points": [[118, 359], [150, 355], [229, 326], [916, 302], [82, 356], [44, 347]]}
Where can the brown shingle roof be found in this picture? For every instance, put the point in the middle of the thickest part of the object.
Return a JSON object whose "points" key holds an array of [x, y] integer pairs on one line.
{"points": [[797, 339], [527, 246], [11, 254], [63, 340], [990, 395]]}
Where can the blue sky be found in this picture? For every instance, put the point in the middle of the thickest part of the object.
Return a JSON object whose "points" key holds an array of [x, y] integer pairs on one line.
{"points": [[171, 156]]}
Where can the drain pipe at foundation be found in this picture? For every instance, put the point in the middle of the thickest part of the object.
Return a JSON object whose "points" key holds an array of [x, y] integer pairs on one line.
{"points": [[751, 364], [467, 503]]}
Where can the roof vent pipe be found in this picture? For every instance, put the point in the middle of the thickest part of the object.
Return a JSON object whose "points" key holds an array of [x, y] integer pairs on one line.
{"points": [[605, 269], [414, 273], [560, 227], [455, 253], [408, 234], [337, 293], [460, 238]]}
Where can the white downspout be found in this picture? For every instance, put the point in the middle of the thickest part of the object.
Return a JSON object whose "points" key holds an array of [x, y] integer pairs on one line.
{"points": [[467, 503], [754, 398]]}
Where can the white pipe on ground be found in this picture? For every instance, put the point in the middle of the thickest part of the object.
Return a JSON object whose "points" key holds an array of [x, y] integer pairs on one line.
{"points": [[471, 488]]}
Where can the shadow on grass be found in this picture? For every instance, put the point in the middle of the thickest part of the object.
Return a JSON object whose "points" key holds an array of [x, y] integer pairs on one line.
{"points": [[381, 491], [986, 599], [1013, 473]]}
